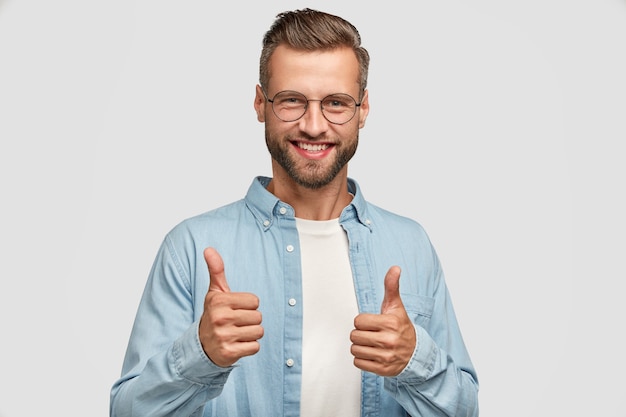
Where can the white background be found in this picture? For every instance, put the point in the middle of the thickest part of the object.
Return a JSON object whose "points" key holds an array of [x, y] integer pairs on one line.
{"points": [[499, 125]]}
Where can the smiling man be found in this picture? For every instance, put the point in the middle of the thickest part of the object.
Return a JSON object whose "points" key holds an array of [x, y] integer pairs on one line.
{"points": [[311, 145], [301, 299]]}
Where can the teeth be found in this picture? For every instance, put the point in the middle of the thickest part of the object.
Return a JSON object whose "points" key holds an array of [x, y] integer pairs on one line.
{"points": [[311, 147]]}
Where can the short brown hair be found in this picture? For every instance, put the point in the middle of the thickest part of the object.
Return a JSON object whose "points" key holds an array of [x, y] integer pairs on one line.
{"points": [[312, 30]]}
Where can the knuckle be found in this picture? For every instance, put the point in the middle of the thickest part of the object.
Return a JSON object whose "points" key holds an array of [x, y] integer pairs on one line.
{"points": [[257, 302], [224, 351], [389, 341], [218, 321], [213, 299], [258, 316], [387, 358]]}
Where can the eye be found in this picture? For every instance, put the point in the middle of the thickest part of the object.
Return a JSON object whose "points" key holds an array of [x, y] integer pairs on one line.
{"points": [[290, 99], [338, 103]]}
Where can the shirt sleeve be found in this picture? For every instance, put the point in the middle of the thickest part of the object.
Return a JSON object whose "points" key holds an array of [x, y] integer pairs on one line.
{"points": [[432, 384], [439, 379], [166, 371]]}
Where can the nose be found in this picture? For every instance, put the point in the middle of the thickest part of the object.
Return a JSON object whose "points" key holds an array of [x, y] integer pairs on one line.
{"points": [[313, 122]]}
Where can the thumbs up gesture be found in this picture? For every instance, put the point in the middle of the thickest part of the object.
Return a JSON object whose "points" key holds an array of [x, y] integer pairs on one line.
{"points": [[384, 343], [230, 325]]}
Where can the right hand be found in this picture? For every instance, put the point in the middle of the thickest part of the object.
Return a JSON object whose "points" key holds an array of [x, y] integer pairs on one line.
{"points": [[230, 325]]}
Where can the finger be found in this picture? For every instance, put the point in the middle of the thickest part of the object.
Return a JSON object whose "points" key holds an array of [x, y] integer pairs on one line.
{"points": [[226, 355], [377, 368], [217, 277], [383, 362], [235, 334], [245, 318], [375, 339], [373, 322], [250, 333], [234, 300], [362, 338], [226, 317], [392, 300], [242, 349], [366, 353], [365, 364]]}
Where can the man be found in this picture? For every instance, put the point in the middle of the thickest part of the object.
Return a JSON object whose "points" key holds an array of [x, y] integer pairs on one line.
{"points": [[318, 303]]}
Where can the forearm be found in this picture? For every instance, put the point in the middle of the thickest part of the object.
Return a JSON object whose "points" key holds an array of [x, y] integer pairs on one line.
{"points": [[176, 381], [432, 384]]}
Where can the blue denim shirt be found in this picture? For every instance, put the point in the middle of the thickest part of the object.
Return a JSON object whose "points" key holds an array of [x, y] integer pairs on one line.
{"points": [[166, 372]]}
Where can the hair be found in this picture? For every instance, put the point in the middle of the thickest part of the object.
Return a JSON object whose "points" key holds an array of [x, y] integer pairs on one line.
{"points": [[312, 30]]}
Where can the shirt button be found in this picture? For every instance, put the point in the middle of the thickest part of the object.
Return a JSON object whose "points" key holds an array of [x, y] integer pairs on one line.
{"points": [[282, 210], [289, 362], [290, 248], [368, 222], [292, 302], [266, 223]]}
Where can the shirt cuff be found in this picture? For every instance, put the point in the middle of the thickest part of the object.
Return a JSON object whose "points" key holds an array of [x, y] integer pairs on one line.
{"points": [[192, 363], [421, 364]]}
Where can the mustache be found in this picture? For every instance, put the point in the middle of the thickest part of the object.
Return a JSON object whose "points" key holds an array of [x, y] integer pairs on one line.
{"points": [[308, 138]]}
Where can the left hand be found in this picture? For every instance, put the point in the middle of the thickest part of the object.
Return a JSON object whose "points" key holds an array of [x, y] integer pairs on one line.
{"points": [[384, 343]]}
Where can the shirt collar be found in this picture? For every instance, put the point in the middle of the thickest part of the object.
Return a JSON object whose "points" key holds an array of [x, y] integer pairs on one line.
{"points": [[265, 205]]}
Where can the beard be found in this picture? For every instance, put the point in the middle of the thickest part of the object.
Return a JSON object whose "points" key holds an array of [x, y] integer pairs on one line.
{"points": [[312, 174]]}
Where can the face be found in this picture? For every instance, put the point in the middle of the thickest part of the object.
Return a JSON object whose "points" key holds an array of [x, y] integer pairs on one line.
{"points": [[311, 151]]}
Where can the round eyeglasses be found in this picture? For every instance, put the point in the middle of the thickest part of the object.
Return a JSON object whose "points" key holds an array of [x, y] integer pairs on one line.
{"points": [[290, 106]]}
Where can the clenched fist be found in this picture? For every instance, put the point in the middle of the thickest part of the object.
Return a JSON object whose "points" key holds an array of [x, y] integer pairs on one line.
{"points": [[230, 326]]}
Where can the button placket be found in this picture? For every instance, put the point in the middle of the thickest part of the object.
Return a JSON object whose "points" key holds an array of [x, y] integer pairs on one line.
{"points": [[293, 312]]}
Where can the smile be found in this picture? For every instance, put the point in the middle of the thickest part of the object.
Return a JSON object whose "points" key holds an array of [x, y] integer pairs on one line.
{"points": [[310, 147]]}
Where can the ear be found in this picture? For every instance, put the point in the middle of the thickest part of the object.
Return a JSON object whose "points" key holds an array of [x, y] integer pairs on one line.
{"points": [[364, 109], [259, 104]]}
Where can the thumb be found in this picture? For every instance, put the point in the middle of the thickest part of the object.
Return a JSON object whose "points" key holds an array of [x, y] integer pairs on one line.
{"points": [[217, 277], [392, 299]]}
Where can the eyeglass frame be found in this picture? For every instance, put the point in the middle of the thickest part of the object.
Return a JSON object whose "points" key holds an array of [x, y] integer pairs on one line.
{"points": [[306, 107]]}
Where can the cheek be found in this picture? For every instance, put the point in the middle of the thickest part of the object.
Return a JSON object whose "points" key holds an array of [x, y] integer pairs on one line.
{"points": [[275, 131]]}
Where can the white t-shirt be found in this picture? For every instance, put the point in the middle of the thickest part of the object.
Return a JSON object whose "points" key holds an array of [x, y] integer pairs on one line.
{"points": [[331, 384]]}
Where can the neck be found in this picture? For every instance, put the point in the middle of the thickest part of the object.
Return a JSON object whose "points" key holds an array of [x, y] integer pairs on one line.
{"points": [[325, 203]]}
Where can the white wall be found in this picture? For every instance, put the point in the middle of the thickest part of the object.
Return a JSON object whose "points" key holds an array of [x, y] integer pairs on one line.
{"points": [[499, 125]]}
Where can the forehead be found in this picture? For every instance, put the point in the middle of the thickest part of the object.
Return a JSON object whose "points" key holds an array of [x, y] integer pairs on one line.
{"points": [[314, 72]]}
